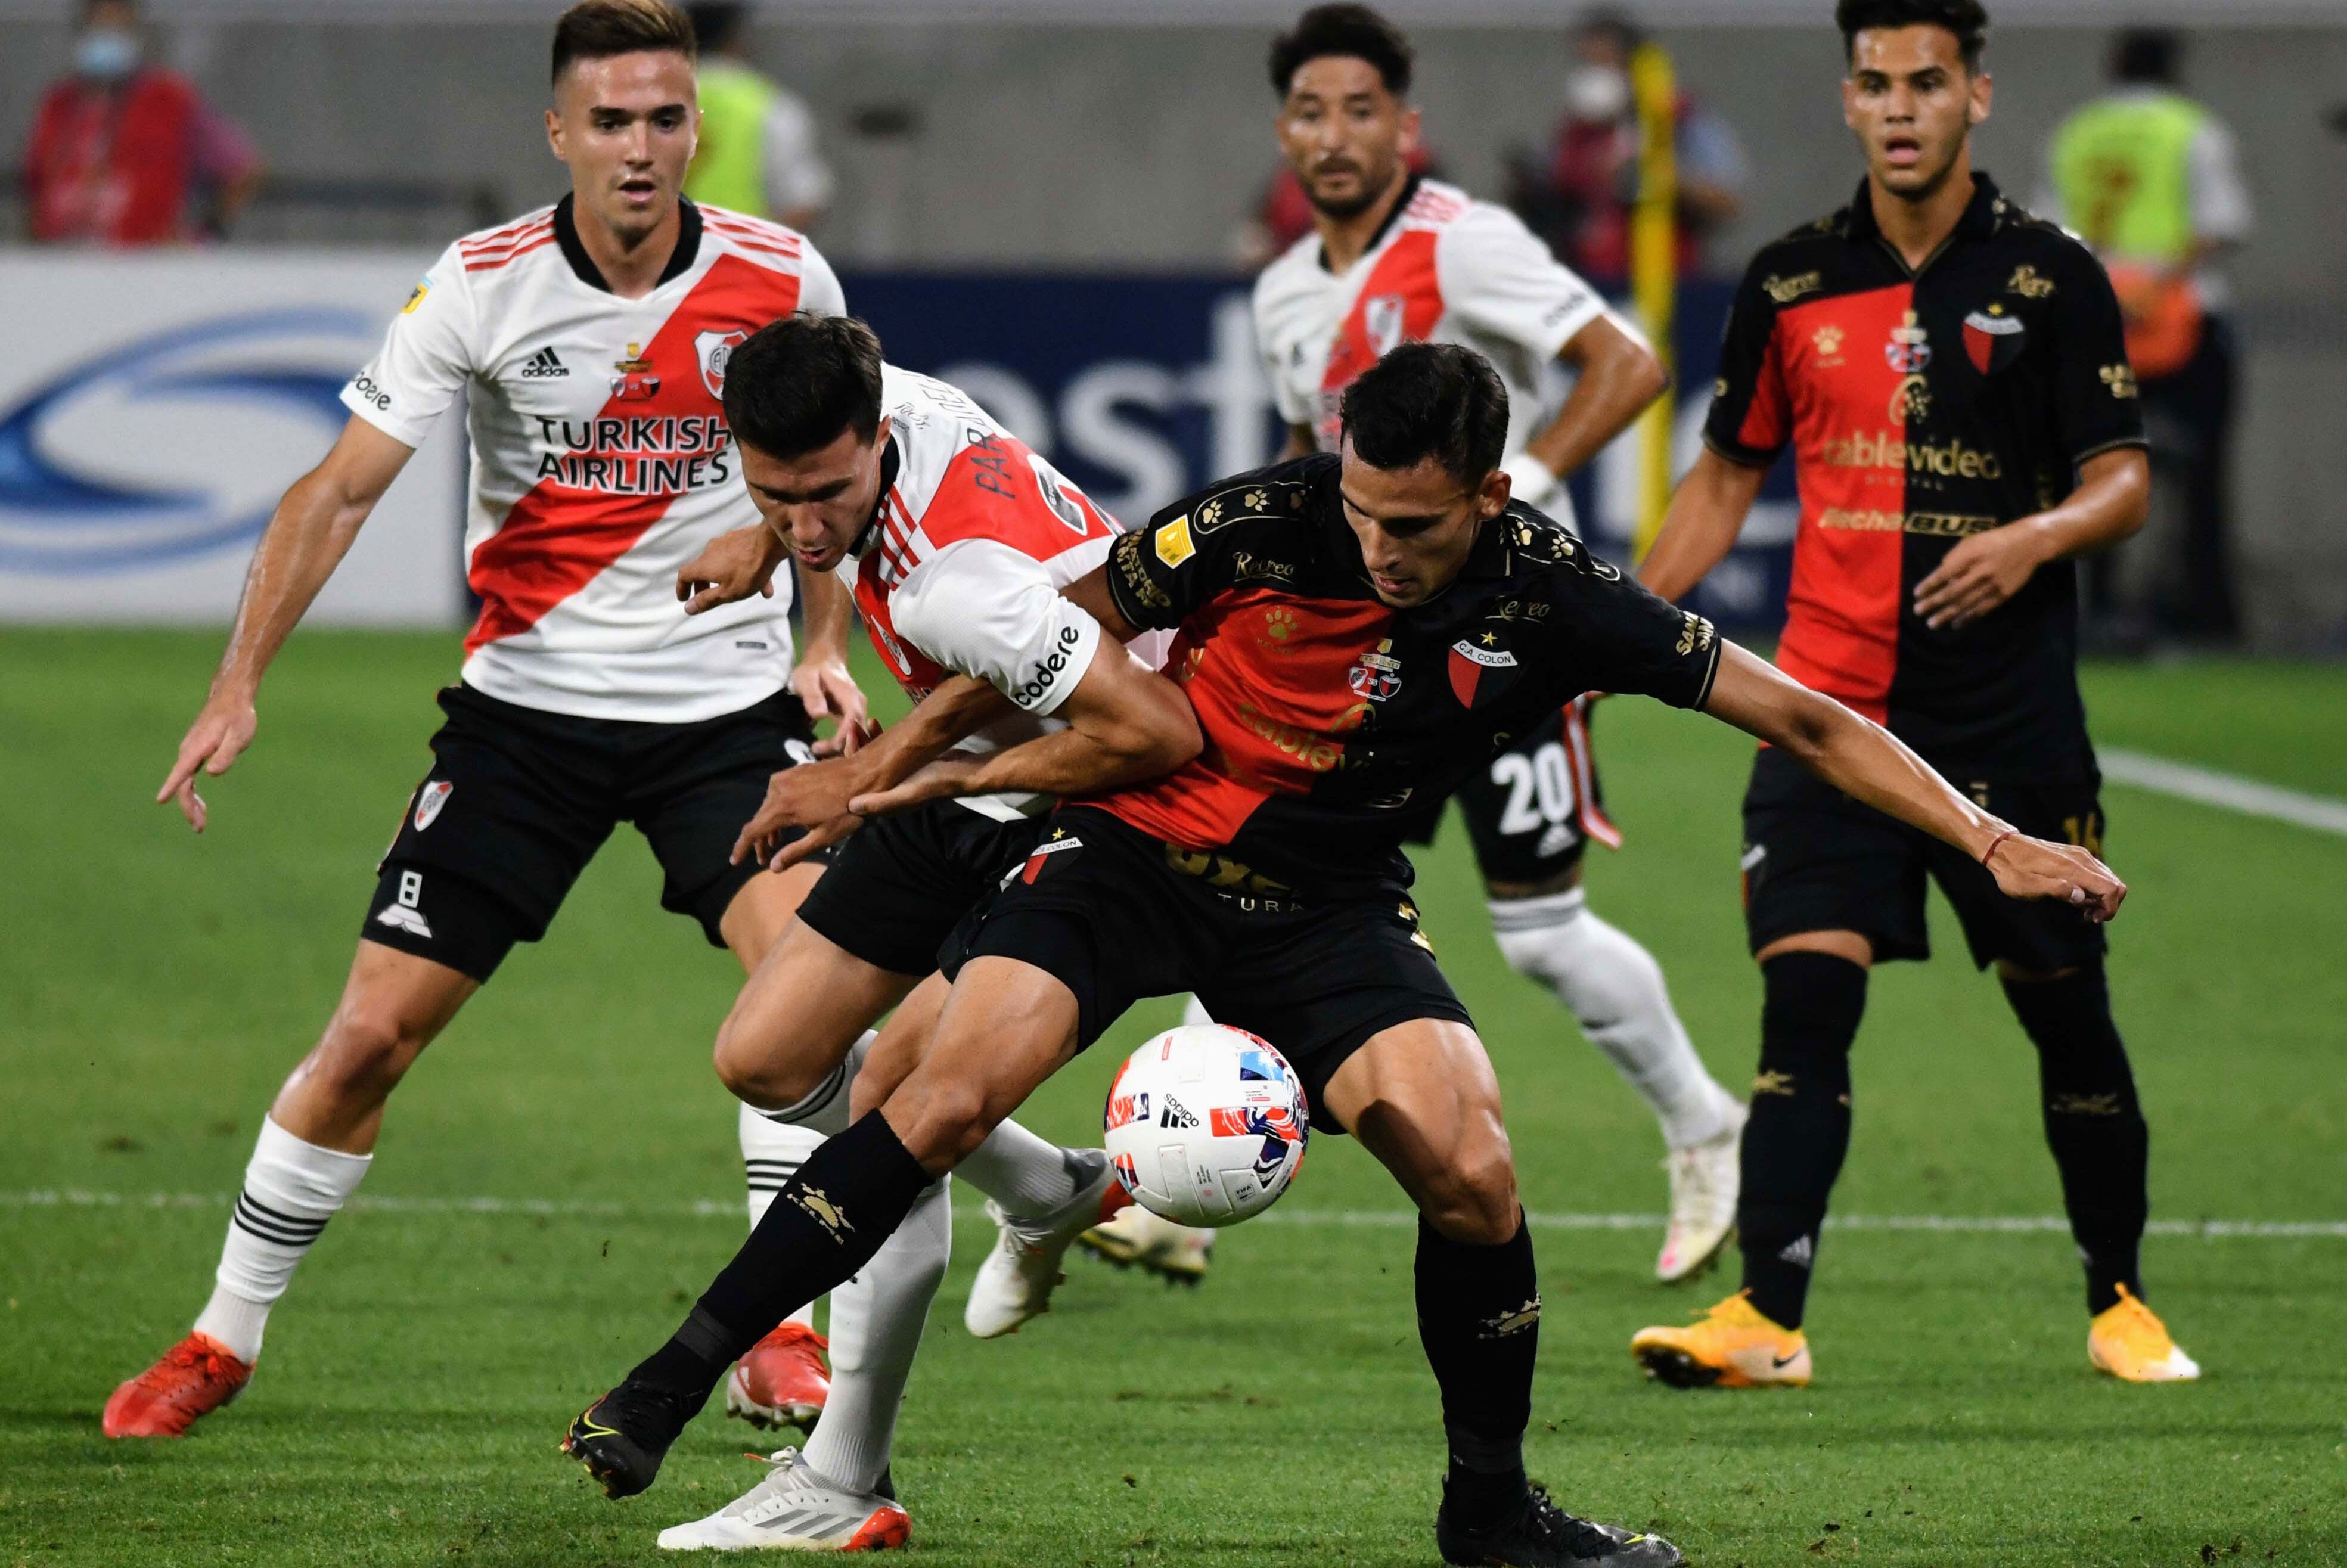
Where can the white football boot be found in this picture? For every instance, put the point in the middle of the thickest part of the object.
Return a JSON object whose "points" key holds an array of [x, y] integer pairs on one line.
{"points": [[1014, 1284], [794, 1508], [1704, 1180], [1138, 1238]]}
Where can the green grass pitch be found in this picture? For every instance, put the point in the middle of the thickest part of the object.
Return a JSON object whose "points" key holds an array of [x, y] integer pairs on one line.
{"points": [[155, 986]]}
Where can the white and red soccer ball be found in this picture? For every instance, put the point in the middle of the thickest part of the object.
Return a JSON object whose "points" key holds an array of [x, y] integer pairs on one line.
{"points": [[1206, 1125]]}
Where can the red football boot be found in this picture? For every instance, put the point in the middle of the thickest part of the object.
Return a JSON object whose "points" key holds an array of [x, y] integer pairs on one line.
{"points": [[783, 1382], [195, 1378]]}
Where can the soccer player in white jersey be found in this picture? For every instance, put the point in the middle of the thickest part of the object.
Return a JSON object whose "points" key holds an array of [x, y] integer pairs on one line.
{"points": [[591, 338], [958, 538], [1394, 257]]}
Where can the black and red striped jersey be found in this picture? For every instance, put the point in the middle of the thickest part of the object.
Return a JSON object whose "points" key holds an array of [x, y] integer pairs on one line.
{"points": [[1332, 720], [1923, 406]]}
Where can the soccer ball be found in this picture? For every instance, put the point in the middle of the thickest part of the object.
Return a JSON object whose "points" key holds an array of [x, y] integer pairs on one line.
{"points": [[1206, 1125]]}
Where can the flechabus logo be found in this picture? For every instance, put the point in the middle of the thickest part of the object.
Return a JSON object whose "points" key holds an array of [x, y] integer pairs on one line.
{"points": [[95, 461]]}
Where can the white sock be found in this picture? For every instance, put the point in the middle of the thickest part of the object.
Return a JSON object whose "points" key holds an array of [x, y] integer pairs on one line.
{"points": [[1027, 1176], [773, 1148], [1615, 988], [875, 1331], [290, 1190]]}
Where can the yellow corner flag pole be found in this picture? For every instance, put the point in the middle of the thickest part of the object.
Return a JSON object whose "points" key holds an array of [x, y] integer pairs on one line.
{"points": [[1654, 271]]}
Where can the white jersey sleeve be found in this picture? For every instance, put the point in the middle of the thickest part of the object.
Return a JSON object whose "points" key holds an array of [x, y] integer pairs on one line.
{"points": [[1498, 278], [1273, 302], [426, 359], [990, 611], [819, 291]]}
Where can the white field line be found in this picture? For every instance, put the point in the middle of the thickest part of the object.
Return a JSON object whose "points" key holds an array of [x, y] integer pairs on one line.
{"points": [[711, 1208], [2229, 791]]}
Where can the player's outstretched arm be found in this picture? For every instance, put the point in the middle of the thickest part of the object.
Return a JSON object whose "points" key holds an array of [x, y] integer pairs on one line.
{"points": [[1126, 724], [1865, 761], [816, 796], [306, 539], [1705, 514]]}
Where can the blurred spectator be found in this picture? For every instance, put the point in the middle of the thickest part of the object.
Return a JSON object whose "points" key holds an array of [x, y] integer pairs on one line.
{"points": [[757, 148], [1579, 196], [1283, 213], [2152, 180], [120, 146]]}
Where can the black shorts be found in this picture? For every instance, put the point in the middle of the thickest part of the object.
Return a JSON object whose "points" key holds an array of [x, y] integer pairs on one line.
{"points": [[1118, 915], [1532, 811], [899, 886], [1817, 860], [518, 800]]}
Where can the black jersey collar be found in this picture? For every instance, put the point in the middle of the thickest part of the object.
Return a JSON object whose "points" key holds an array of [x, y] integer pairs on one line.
{"points": [[1978, 220], [687, 245], [1393, 215]]}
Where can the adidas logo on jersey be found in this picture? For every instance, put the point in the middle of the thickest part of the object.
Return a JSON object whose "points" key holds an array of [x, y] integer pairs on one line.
{"points": [[544, 366]]}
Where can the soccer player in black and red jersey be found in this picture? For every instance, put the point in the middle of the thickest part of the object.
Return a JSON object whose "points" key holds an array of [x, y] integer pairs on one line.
{"points": [[1268, 876], [1950, 375]]}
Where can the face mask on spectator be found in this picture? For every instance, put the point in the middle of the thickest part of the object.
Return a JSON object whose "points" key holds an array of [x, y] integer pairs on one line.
{"points": [[107, 55], [1594, 92]]}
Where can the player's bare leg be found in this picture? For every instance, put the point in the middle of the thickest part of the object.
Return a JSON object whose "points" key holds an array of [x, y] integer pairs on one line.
{"points": [[1616, 991], [1421, 1097], [314, 1150]]}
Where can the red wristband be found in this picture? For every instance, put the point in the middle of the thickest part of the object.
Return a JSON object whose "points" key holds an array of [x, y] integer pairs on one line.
{"points": [[1992, 842]]}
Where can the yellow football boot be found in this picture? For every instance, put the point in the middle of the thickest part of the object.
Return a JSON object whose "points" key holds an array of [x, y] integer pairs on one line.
{"points": [[1730, 1346], [2130, 1342]]}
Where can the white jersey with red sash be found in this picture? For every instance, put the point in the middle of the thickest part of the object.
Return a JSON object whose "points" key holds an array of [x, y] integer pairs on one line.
{"points": [[961, 569], [600, 457], [1445, 267]]}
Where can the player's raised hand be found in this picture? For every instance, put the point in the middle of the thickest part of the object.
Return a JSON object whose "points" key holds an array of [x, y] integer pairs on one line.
{"points": [[2026, 867], [730, 567], [830, 691], [212, 744], [1981, 573]]}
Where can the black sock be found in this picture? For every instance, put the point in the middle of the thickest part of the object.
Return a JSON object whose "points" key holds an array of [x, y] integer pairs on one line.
{"points": [[1479, 1319], [1800, 1131], [2093, 1124], [825, 1224]]}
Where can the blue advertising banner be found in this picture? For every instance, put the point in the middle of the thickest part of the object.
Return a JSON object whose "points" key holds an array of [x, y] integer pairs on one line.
{"points": [[1141, 388]]}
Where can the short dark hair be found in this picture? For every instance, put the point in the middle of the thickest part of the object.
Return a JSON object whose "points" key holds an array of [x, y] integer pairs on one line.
{"points": [[714, 24], [1427, 400], [1352, 30], [598, 29], [794, 384], [2147, 55], [1967, 19]]}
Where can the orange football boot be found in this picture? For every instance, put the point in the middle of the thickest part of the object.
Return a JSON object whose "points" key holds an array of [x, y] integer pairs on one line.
{"points": [[783, 1382], [195, 1378], [2128, 1341], [1732, 1345]]}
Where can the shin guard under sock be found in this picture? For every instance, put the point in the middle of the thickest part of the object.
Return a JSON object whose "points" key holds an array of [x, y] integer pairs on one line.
{"points": [[2092, 1124], [825, 1224], [1479, 1318], [1800, 1131]]}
